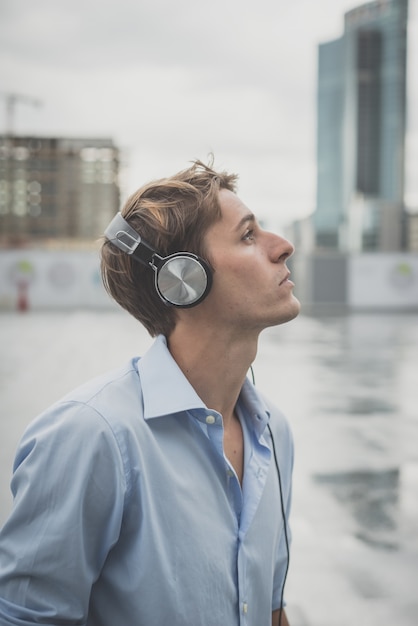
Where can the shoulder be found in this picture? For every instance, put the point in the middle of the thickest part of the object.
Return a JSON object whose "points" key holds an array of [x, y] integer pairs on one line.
{"points": [[113, 396], [116, 381], [97, 414]]}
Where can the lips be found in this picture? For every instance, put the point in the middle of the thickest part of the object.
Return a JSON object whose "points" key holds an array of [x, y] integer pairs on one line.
{"points": [[285, 278]]}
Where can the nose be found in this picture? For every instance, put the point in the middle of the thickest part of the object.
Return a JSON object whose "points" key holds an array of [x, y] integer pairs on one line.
{"points": [[281, 249]]}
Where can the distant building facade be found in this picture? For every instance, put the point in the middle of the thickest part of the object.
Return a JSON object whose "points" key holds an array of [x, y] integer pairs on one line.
{"points": [[56, 188], [361, 131]]}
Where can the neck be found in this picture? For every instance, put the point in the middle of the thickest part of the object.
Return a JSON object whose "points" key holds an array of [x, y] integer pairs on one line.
{"points": [[215, 364]]}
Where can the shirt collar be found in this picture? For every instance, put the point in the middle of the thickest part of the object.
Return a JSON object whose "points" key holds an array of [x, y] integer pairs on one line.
{"points": [[165, 388], [254, 406], [157, 366]]}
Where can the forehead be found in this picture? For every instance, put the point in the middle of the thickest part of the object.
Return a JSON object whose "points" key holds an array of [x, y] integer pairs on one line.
{"points": [[234, 213]]}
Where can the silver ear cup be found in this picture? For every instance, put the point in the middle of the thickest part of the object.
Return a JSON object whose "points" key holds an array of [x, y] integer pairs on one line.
{"points": [[182, 280]]}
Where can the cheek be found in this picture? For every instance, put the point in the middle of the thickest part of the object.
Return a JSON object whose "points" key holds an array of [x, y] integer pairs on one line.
{"points": [[236, 277], [239, 290], [241, 266], [245, 274]]}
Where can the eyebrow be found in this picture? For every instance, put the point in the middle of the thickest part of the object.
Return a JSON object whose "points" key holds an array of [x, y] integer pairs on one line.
{"points": [[250, 217]]}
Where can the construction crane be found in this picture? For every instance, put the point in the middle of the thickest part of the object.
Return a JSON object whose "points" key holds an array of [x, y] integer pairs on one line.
{"points": [[11, 100]]}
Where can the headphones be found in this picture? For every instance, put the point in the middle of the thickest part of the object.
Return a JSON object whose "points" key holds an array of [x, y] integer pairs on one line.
{"points": [[181, 279]]}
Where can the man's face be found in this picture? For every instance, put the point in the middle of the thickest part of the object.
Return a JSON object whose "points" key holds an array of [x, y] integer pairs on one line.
{"points": [[251, 287]]}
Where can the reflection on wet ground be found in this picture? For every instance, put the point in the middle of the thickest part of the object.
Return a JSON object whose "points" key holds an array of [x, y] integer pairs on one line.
{"points": [[372, 498]]}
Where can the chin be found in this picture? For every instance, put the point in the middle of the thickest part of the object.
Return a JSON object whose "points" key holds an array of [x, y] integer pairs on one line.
{"points": [[291, 311]]}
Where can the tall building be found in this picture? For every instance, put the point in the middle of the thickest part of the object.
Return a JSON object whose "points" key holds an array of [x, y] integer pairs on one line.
{"points": [[361, 131], [56, 187]]}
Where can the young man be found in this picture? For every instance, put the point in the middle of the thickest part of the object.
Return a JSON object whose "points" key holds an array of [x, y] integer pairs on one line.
{"points": [[160, 493]]}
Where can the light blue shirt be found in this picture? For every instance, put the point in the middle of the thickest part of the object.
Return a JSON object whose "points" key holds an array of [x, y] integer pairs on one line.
{"points": [[127, 512]]}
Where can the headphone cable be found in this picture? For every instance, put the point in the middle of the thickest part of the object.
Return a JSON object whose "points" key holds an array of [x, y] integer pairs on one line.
{"points": [[284, 524]]}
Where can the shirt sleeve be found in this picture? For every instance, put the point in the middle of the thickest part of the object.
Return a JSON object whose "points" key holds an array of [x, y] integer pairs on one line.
{"points": [[69, 488]]}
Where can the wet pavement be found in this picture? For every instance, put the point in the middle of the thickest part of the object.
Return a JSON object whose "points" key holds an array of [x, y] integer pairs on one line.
{"points": [[348, 385]]}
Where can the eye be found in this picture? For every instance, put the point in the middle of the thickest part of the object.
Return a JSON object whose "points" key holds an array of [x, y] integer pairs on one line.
{"points": [[249, 235]]}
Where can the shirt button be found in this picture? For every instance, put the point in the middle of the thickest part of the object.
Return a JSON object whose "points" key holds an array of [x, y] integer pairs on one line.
{"points": [[210, 419]]}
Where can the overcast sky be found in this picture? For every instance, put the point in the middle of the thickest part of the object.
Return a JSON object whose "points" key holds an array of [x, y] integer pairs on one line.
{"points": [[172, 80]]}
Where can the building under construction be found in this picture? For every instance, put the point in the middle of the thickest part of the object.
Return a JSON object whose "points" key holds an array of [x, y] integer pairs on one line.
{"points": [[56, 188]]}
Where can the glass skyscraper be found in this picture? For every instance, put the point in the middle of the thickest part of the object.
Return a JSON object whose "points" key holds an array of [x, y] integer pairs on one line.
{"points": [[361, 130]]}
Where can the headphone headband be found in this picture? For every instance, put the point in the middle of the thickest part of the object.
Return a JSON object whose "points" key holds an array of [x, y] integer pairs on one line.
{"points": [[123, 236]]}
